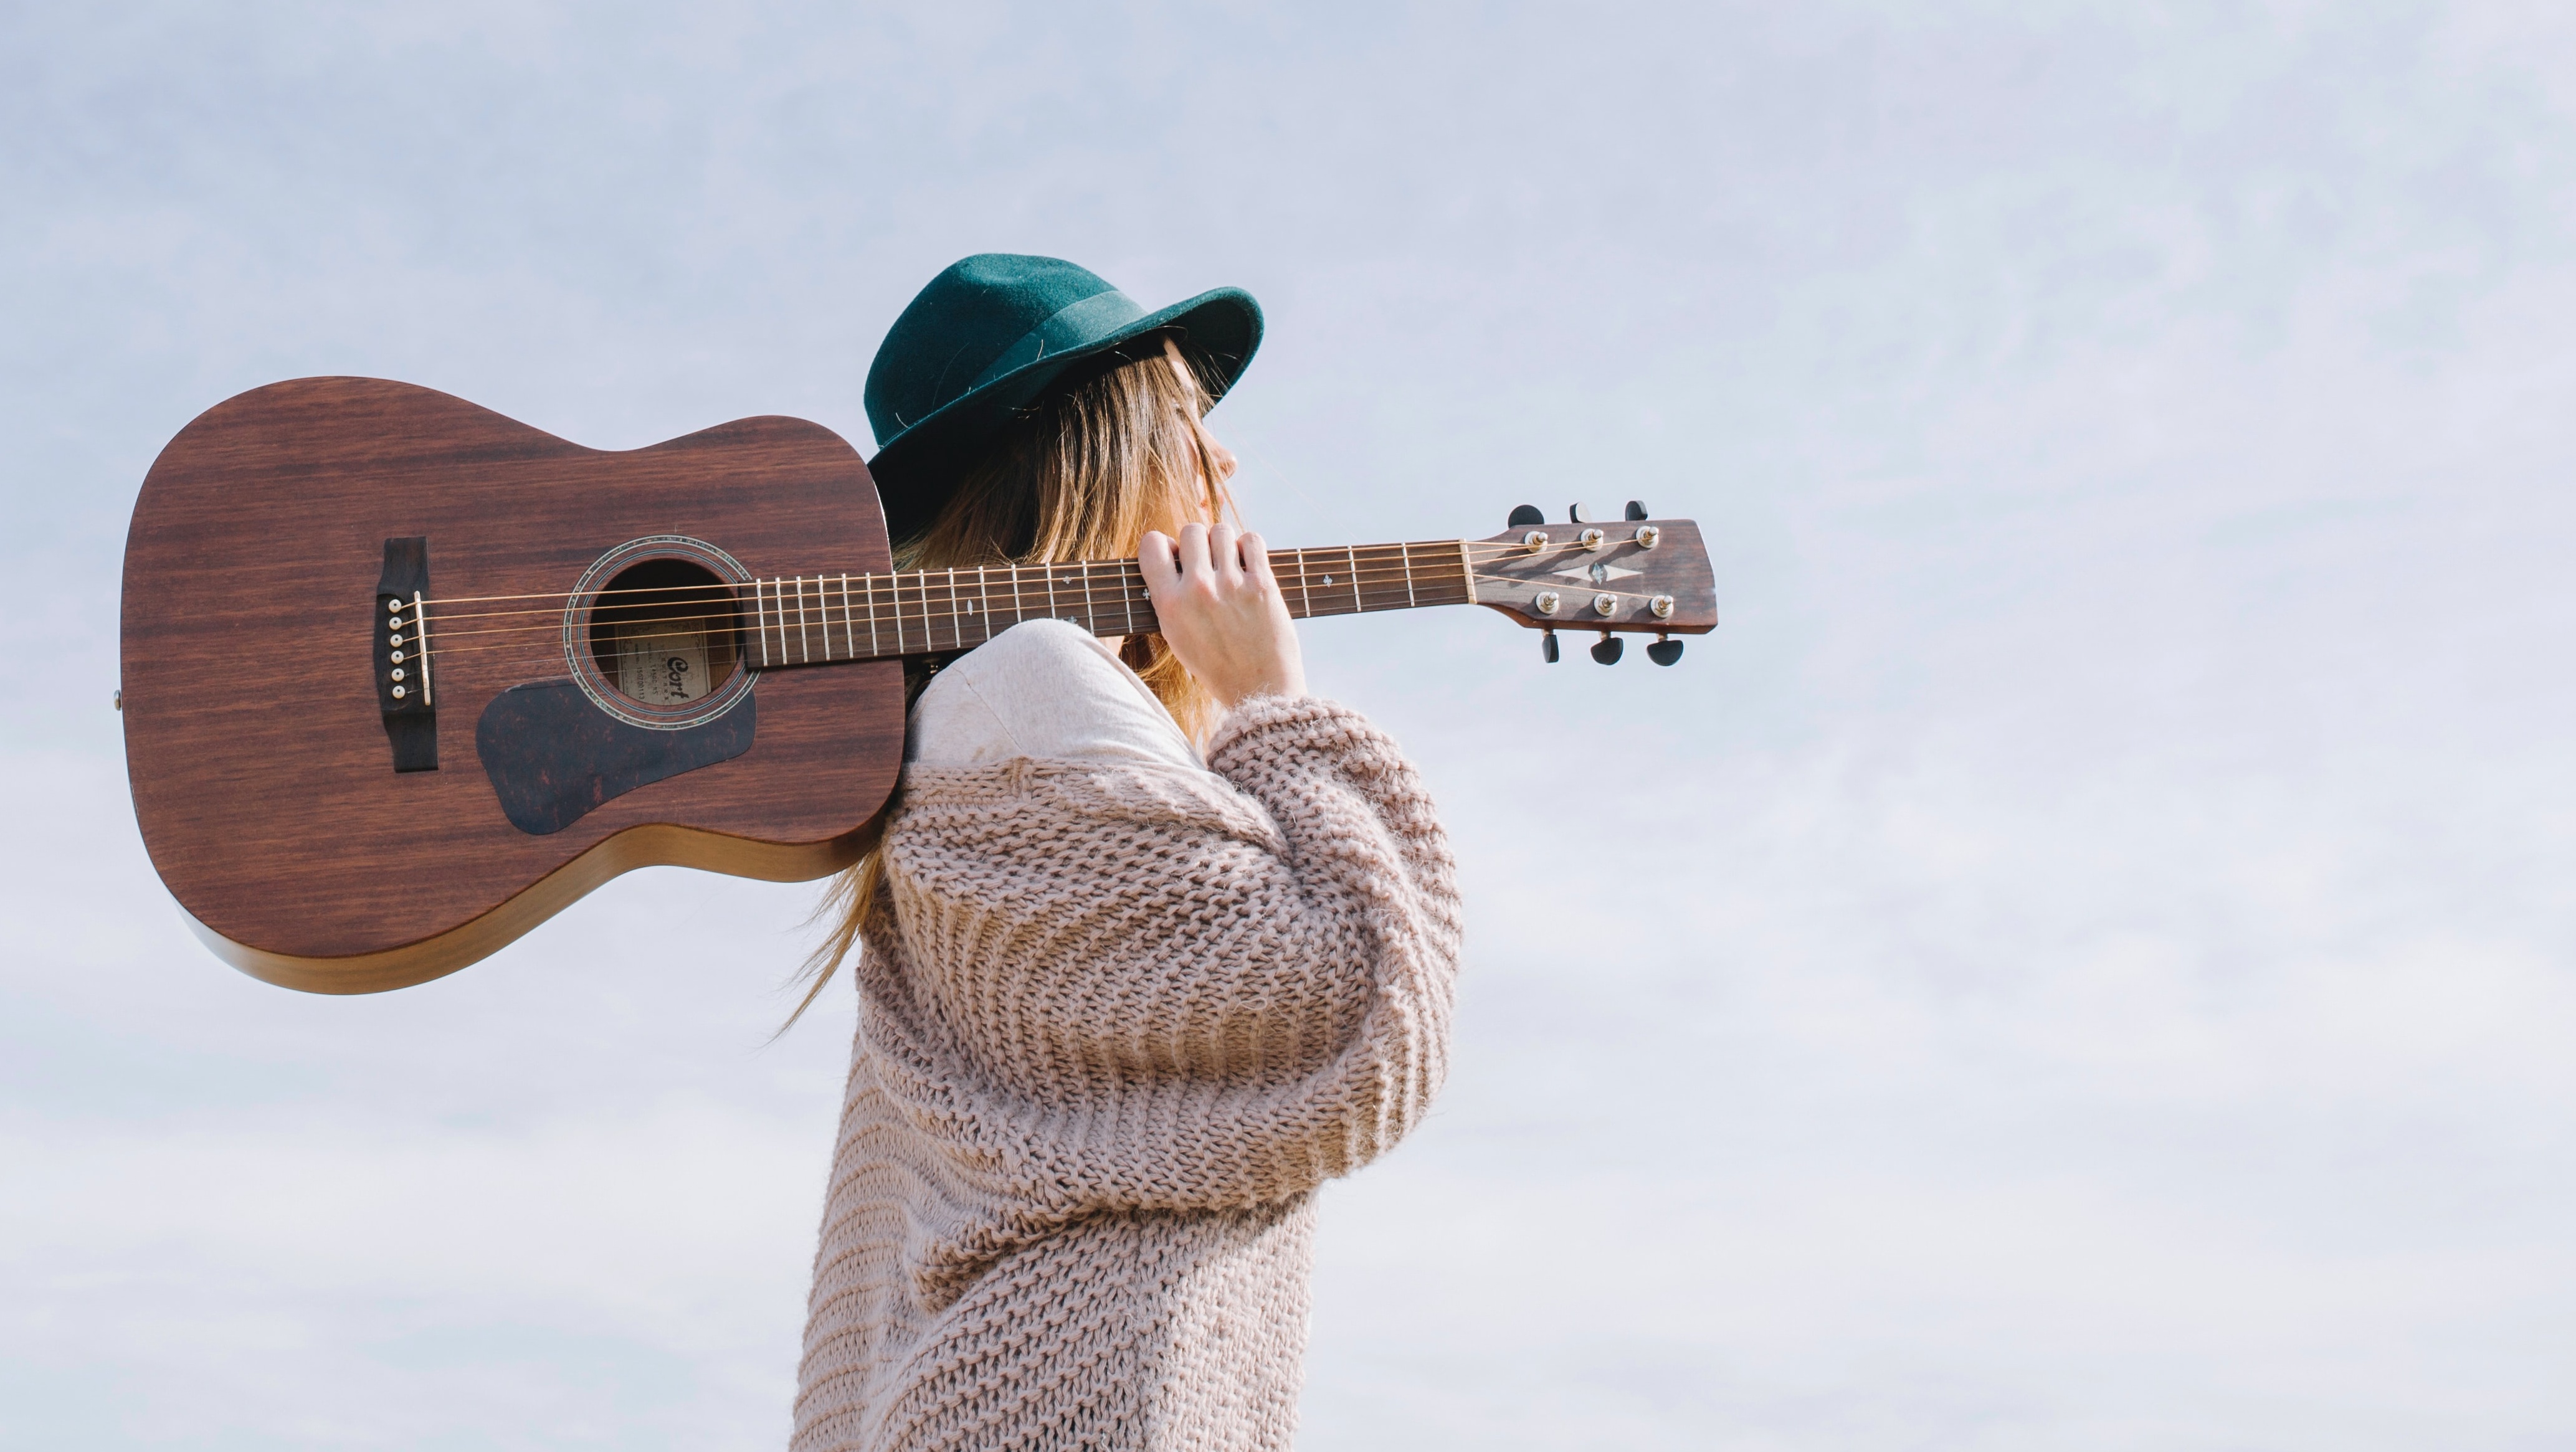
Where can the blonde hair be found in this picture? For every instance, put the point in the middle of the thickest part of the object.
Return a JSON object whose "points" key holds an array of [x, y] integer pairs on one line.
{"points": [[1081, 474]]}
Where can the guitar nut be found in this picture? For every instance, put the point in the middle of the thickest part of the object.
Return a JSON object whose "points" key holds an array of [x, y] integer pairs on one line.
{"points": [[1547, 602], [1606, 603], [1649, 536], [1663, 607]]}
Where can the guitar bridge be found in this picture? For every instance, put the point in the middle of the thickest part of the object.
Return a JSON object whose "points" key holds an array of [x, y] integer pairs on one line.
{"points": [[405, 689]]}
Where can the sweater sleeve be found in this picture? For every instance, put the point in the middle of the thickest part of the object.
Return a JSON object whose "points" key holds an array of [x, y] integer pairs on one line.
{"points": [[1118, 987]]}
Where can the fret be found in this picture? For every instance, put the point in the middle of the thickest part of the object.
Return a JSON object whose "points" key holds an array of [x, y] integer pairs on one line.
{"points": [[894, 603], [1050, 584], [1304, 595], [759, 622], [851, 635], [956, 621], [1357, 604], [804, 638], [984, 603], [1405, 553], [1127, 597], [777, 592]]}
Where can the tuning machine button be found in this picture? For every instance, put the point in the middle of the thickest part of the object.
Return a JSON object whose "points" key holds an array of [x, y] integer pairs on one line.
{"points": [[1608, 650], [1636, 510], [1547, 646], [1525, 514], [1664, 651], [1574, 514]]}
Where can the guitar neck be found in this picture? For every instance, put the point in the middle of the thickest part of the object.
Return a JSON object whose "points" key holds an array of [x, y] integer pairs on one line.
{"points": [[820, 619]]}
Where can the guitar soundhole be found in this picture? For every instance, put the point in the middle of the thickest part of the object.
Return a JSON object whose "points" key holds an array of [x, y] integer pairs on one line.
{"points": [[662, 634]]}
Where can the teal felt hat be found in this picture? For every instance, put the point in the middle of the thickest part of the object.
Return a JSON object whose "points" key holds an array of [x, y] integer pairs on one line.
{"points": [[988, 336]]}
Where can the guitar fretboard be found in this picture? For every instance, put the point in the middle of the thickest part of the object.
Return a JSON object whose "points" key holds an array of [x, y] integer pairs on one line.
{"points": [[817, 619]]}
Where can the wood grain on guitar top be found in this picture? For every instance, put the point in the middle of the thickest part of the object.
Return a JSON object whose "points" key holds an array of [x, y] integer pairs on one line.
{"points": [[262, 777]]}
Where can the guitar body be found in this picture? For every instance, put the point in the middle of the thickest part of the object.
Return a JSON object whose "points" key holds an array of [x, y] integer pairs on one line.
{"points": [[281, 787]]}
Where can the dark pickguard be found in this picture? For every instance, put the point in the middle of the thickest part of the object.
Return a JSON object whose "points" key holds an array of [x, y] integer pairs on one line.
{"points": [[553, 757]]}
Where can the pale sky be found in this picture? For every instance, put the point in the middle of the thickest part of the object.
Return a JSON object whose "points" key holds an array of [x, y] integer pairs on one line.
{"points": [[2084, 957]]}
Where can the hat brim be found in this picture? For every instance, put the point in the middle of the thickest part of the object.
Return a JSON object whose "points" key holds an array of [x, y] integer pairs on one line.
{"points": [[917, 470]]}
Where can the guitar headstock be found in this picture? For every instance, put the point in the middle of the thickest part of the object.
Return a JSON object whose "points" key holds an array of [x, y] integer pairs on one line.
{"points": [[1635, 576]]}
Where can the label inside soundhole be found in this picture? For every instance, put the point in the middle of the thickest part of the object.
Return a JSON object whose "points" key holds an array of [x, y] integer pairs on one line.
{"points": [[663, 667], [655, 644]]}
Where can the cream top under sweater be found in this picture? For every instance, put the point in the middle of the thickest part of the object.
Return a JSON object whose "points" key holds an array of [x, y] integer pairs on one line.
{"points": [[1132, 1009], [1046, 689]]}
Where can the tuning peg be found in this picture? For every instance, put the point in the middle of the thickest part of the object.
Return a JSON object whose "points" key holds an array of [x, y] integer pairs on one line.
{"points": [[1664, 651], [1607, 652], [1636, 510], [1526, 514], [1574, 514], [1547, 646]]}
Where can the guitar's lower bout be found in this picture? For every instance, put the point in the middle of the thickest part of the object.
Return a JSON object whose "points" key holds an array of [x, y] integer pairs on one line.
{"points": [[480, 938]]}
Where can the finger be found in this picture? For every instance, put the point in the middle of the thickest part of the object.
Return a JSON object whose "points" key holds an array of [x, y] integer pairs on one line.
{"points": [[1256, 558], [1223, 556], [1155, 559], [1194, 549]]}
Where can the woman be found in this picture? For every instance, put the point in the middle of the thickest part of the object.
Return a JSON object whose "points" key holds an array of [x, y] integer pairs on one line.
{"points": [[1154, 944]]}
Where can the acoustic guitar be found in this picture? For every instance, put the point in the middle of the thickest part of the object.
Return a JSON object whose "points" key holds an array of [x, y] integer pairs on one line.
{"points": [[402, 678]]}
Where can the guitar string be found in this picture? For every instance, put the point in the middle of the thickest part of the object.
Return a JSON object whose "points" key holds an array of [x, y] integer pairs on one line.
{"points": [[1373, 575], [1129, 581], [1433, 550], [1381, 583], [1131, 594], [439, 652], [835, 575]]}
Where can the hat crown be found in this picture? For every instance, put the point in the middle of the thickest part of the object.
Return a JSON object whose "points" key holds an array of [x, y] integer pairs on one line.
{"points": [[969, 317]]}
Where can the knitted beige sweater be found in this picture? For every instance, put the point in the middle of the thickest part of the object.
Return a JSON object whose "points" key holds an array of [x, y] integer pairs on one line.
{"points": [[1127, 1018]]}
